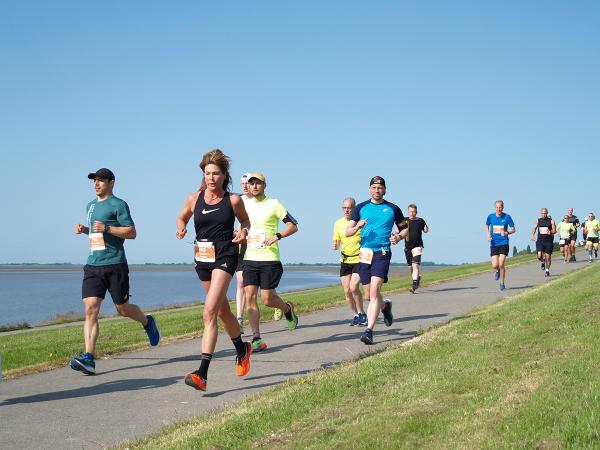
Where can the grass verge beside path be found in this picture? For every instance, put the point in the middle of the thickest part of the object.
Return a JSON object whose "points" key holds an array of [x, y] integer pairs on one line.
{"points": [[52, 347], [521, 373]]}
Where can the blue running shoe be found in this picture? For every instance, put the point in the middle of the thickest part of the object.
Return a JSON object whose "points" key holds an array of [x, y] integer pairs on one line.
{"points": [[502, 287], [355, 320], [497, 275], [84, 362], [388, 318], [367, 337], [363, 321], [152, 331]]}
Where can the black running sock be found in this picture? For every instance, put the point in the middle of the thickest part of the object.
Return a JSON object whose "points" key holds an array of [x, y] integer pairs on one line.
{"points": [[240, 347], [288, 314], [255, 336], [204, 363]]}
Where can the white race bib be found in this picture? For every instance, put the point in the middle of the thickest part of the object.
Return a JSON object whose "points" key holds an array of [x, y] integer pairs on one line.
{"points": [[498, 229], [417, 251], [256, 239], [543, 230], [365, 256], [204, 252], [562, 242], [97, 242]]}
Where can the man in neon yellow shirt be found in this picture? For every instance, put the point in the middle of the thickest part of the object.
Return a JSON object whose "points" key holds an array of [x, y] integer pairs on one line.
{"points": [[565, 230], [591, 229], [349, 276], [262, 263]]}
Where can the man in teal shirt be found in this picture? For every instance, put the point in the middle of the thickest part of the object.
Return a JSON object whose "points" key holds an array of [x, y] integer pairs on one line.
{"points": [[109, 223]]}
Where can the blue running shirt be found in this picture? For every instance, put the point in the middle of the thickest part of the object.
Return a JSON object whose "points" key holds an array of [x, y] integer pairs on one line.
{"points": [[380, 222], [495, 223]]}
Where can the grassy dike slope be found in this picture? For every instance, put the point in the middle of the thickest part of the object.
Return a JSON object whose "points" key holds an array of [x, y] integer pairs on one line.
{"points": [[521, 373], [47, 348]]}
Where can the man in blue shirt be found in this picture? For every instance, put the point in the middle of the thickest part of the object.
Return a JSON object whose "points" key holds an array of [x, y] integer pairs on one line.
{"points": [[498, 227], [375, 218]]}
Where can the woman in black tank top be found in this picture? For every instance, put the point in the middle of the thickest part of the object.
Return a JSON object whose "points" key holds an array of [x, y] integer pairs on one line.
{"points": [[215, 253]]}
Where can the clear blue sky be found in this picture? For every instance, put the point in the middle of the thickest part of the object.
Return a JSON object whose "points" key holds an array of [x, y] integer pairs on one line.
{"points": [[456, 104]]}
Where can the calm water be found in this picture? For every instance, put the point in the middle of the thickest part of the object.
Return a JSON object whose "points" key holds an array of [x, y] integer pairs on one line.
{"points": [[35, 296]]}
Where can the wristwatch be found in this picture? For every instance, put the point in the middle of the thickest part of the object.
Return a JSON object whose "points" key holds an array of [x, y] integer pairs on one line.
{"points": [[278, 236], [106, 228]]}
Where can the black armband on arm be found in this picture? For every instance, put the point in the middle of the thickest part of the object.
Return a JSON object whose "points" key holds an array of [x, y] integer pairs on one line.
{"points": [[288, 218]]}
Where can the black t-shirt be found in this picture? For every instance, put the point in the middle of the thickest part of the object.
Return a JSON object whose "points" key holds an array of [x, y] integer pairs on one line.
{"points": [[415, 232], [575, 221]]}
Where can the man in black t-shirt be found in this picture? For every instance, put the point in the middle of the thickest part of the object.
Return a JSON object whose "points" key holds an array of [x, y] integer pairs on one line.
{"points": [[575, 221], [414, 244]]}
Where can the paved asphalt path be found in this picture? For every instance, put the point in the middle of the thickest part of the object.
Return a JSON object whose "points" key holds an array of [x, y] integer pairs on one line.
{"points": [[135, 394]]}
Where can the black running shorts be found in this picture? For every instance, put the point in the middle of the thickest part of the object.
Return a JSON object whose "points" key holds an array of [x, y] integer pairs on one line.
{"points": [[410, 259], [544, 246], [265, 274], [499, 250], [114, 278], [227, 263], [348, 269]]}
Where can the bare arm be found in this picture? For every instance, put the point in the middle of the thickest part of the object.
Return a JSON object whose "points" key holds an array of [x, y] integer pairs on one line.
{"points": [[290, 228], [487, 232], [242, 216], [354, 227], [81, 229], [184, 216], [120, 232], [534, 230]]}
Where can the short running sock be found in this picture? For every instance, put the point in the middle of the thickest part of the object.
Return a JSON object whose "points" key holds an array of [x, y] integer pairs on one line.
{"points": [[288, 314], [204, 363], [255, 337], [240, 347]]}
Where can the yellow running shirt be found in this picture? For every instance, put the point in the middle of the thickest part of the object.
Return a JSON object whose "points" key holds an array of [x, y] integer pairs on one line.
{"points": [[565, 229], [592, 227], [350, 245], [264, 223]]}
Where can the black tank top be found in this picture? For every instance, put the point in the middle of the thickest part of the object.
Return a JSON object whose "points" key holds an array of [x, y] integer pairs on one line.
{"points": [[547, 222], [215, 223]]}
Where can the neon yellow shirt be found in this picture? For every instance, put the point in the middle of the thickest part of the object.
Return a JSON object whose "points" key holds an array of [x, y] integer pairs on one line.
{"points": [[592, 227], [350, 245], [264, 223], [565, 229]]}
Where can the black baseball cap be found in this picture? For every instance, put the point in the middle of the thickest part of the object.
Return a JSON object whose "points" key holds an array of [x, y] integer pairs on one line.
{"points": [[102, 173], [377, 180]]}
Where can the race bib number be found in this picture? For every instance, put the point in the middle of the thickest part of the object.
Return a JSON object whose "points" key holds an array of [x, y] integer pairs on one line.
{"points": [[498, 229], [205, 252], [544, 230], [97, 242], [256, 240], [417, 251], [561, 242], [365, 256]]}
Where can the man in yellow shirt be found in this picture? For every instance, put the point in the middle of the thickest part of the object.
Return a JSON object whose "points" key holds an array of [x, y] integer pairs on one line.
{"points": [[262, 263], [591, 229], [350, 249]]}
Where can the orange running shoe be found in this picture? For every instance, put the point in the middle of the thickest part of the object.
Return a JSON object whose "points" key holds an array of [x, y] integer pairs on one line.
{"points": [[242, 365], [196, 381]]}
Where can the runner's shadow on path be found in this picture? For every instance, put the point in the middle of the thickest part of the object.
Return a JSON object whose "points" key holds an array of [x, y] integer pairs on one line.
{"points": [[99, 389], [452, 289], [345, 337], [519, 287], [243, 388]]}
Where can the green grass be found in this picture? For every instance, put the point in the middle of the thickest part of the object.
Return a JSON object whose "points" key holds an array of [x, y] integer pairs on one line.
{"points": [[521, 373], [52, 347]]}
